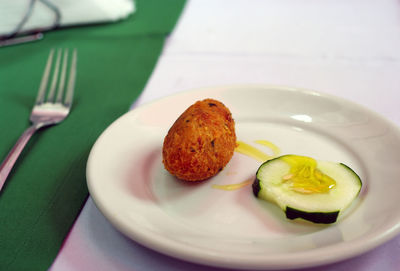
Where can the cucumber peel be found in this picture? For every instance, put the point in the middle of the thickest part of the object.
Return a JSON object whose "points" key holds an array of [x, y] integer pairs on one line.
{"points": [[317, 191]]}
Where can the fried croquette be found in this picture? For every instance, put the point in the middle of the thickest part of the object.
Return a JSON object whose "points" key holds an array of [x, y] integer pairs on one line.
{"points": [[201, 141]]}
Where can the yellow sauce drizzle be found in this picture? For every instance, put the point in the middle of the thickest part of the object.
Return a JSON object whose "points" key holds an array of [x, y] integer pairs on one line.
{"points": [[304, 177], [275, 150], [251, 151], [230, 187], [255, 153]]}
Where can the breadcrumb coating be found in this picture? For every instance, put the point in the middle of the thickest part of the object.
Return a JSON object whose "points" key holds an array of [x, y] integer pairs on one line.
{"points": [[201, 142]]}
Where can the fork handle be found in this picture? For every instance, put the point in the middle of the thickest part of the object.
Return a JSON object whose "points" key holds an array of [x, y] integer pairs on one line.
{"points": [[13, 155]]}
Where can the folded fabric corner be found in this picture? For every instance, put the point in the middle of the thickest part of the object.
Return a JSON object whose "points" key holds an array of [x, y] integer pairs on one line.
{"points": [[44, 14]]}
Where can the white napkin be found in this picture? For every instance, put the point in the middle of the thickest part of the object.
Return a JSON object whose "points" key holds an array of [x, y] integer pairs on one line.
{"points": [[72, 13]]}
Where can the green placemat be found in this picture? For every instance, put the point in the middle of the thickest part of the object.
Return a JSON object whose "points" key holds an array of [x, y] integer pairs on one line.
{"points": [[47, 188]]}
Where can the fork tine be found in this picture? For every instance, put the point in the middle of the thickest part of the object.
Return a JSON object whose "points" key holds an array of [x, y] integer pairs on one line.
{"points": [[71, 82], [62, 77], [50, 97], [45, 79]]}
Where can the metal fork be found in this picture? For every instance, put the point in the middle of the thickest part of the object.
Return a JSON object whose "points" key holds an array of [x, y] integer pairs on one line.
{"points": [[48, 110]]}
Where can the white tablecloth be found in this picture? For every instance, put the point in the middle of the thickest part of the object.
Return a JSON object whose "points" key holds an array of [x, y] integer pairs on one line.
{"points": [[348, 48]]}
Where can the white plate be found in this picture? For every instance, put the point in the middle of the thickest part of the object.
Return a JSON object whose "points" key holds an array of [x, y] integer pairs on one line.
{"points": [[199, 223]]}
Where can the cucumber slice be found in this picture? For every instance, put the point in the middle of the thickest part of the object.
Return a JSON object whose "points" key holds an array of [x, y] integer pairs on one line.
{"points": [[317, 191]]}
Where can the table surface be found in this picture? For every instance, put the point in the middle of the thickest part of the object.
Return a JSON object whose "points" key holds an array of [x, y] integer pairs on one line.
{"points": [[345, 48]]}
